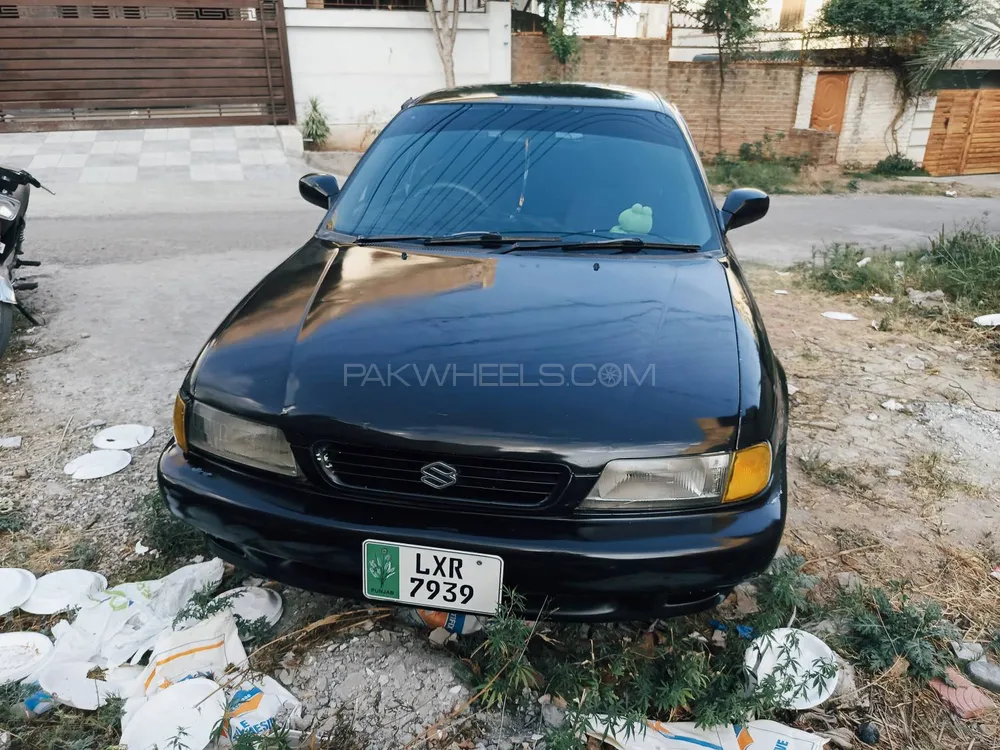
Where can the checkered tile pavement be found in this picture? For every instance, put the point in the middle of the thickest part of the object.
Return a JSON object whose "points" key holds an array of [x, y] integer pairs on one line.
{"points": [[164, 155]]}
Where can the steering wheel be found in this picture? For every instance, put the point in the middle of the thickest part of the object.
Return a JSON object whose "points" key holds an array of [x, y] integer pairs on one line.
{"points": [[453, 186]]}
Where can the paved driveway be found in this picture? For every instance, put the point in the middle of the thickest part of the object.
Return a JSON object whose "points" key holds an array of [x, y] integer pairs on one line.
{"points": [[798, 223], [209, 154]]}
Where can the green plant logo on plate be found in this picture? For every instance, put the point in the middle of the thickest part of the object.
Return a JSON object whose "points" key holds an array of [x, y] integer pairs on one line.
{"points": [[382, 570]]}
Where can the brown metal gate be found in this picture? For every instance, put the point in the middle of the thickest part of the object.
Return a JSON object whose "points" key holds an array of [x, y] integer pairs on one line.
{"points": [[965, 133], [150, 63]]}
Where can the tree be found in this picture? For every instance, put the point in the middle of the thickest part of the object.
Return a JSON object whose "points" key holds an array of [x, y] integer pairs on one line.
{"points": [[973, 37], [444, 24], [903, 25], [734, 25]]}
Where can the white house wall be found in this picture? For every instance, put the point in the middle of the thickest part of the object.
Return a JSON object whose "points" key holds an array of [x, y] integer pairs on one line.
{"points": [[872, 104], [364, 63]]}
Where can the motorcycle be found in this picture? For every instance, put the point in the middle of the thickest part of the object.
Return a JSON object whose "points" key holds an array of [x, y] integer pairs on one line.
{"points": [[15, 188]]}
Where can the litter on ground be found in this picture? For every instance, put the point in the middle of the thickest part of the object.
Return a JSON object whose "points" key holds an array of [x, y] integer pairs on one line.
{"points": [[987, 321], [16, 587], [839, 316], [656, 735], [803, 669], [20, 654], [97, 464], [123, 437], [63, 590]]}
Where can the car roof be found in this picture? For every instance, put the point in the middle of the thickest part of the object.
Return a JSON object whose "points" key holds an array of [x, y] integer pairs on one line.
{"points": [[574, 94]]}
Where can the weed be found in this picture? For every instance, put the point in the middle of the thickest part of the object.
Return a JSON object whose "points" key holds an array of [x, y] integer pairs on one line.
{"points": [[174, 540], [11, 521], [852, 185], [63, 728], [896, 165], [820, 471], [758, 165], [505, 652], [880, 633], [84, 554], [964, 263], [315, 128]]}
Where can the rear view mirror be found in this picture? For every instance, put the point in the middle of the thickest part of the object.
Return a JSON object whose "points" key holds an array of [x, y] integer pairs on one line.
{"points": [[744, 206], [319, 189]]}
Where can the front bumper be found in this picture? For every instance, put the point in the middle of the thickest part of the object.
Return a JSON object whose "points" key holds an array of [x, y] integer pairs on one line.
{"points": [[582, 568]]}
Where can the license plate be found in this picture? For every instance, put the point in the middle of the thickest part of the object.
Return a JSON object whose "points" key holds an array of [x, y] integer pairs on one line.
{"points": [[432, 577]]}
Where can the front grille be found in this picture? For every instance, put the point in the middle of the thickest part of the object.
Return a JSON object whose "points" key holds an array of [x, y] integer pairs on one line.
{"points": [[484, 480]]}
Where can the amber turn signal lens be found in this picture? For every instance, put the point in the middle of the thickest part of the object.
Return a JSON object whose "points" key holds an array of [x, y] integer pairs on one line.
{"points": [[750, 472], [180, 433]]}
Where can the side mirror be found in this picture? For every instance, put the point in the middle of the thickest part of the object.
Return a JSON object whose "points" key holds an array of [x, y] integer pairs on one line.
{"points": [[744, 206], [319, 189]]}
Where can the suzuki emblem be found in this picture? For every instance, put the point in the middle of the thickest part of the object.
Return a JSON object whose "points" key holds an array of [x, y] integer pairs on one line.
{"points": [[438, 475]]}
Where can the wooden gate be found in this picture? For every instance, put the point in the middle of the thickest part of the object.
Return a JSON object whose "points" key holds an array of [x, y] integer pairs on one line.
{"points": [[152, 63], [965, 133]]}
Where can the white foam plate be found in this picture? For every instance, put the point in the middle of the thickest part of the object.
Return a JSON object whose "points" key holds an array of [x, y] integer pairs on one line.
{"points": [[253, 602], [987, 320], [766, 652], [62, 590], [20, 653], [16, 586], [123, 436], [97, 464], [189, 709], [67, 682]]}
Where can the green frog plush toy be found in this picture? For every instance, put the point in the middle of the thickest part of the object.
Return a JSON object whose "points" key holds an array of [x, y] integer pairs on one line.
{"points": [[635, 220]]}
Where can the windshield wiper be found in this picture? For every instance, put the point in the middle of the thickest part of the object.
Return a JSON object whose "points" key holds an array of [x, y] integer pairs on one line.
{"points": [[623, 245], [457, 238]]}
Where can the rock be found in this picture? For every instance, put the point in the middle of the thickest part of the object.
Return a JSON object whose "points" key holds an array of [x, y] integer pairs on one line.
{"points": [[846, 693], [929, 300], [792, 390], [439, 636], [10, 378], [873, 417], [746, 600], [893, 473], [985, 674], [915, 363], [868, 733], [967, 651], [92, 423], [719, 639], [783, 551], [849, 581], [11, 442], [552, 715], [961, 696], [21, 473], [827, 628], [840, 737], [893, 405]]}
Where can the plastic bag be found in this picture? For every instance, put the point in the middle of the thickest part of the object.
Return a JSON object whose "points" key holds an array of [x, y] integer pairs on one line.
{"points": [[656, 735]]}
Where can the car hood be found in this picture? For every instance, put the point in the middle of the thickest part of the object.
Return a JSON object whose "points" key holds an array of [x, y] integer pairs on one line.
{"points": [[572, 356]]}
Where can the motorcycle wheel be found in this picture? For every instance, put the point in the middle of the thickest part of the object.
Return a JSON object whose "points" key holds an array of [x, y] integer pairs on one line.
{"points": [[6, 325]]}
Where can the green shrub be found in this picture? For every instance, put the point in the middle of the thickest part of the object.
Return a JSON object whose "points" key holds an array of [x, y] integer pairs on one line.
{"points": [[895, 165]]}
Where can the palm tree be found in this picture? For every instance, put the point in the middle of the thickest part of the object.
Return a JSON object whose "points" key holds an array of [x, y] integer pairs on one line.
{"points": [[973, 37]]}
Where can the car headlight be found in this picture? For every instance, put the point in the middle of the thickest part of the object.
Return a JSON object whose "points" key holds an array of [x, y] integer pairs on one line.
{"points": [[681, 482], [239, 440], [9, 207]]}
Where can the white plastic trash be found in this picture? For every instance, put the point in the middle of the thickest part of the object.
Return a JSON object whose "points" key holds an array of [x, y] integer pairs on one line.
{"points": [[768, 653], [189, 710], [97, 464], [987, 321], [839, 316], [64, 589], [680, 735], [16, 586], [123, 437], [781, 291], [20, 653], [68, 684]]}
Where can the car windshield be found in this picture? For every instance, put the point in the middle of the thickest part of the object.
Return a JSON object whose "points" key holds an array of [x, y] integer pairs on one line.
{"points": [[440, 169]]}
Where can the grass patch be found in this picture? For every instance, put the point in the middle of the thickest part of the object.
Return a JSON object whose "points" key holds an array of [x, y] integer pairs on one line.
{"points": [[821, 472], [62, 728], [756, 165], [175, 541], [965, 264]]}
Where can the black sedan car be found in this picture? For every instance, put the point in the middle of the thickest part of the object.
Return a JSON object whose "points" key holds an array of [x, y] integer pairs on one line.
{"points": [[518, 354]]}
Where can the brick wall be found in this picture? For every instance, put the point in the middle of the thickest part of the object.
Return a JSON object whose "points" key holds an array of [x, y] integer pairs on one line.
{"points": [[757, 98]]}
